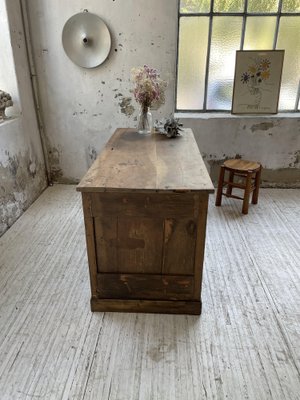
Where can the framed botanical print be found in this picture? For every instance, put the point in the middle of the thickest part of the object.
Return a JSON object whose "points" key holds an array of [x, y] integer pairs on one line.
{"points": [[257, 81]]}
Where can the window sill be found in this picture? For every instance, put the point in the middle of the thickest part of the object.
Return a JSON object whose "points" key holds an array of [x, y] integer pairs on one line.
{"points": [[7, 126], [9, 120], [228, 115]]}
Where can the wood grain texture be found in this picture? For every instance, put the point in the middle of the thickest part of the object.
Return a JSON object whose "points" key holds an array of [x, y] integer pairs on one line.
{"points": [[143, 286], [200, 246], [245, 345], [249, 171], [151, 205], [129, 245], [238, 164], [144, 194], [179, 246], [131, 161], [150, 234], [90, 242], [146, 306]]}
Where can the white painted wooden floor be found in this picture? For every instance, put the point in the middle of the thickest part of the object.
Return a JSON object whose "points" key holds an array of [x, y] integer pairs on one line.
{"points": [[246, 344]]}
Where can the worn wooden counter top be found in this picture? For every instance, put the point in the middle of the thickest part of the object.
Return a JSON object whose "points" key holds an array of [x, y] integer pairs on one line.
{"points": [[134, 162], [145, 207]]}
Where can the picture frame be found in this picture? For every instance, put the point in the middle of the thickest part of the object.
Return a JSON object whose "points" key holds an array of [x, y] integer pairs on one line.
{"points": [[257, 81]]}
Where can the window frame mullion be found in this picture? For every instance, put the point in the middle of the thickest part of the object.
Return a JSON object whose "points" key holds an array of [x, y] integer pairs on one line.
{"points": [[277, 25], [244, 14], [208, 55], [244, 25], [297, 102]]}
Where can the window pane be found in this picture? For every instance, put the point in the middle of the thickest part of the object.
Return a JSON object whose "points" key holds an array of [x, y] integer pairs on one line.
{"points": [[229, 5], [289, 39], [194, 6], [193, 36], [263, 5], [259, 33], [225, 42], [291, 5]]}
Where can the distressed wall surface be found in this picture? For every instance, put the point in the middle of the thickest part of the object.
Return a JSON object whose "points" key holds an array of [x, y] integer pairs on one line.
{"points": [[274, 141], [22, 172], [82, 107]]}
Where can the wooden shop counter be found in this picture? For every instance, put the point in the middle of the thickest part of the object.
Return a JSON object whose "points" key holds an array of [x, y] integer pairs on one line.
{"points": [[145, 206]]}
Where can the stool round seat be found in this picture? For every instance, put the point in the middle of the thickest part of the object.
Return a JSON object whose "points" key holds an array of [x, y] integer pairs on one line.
{"points": [[247, 171], [242, 165]]}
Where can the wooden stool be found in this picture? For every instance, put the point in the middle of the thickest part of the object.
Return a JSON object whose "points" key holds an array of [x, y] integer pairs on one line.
{"points": [[248, 170]]}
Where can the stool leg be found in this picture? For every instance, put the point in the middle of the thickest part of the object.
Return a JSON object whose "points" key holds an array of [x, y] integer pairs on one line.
{"points": [[220, 186], [229, 187], [247, 193], [256, 190]]}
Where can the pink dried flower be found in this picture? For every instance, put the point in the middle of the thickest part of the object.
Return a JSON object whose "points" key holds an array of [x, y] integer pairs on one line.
{"points": [[149, 88]]}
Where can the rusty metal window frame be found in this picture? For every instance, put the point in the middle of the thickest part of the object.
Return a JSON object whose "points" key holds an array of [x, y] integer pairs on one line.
{"points": [[211, 14]]}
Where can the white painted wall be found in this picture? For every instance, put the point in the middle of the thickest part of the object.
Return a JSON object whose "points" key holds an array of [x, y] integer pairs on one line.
{"points": [[81, 107], [22, 171]]}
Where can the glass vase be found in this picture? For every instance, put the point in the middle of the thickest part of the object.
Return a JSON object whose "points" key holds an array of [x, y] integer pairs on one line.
{"points": [[145, 121]]}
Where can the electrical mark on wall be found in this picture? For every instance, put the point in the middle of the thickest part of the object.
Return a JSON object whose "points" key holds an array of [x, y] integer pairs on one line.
{"points": [[126, 106], [263, 126], [83, 112], [91, 155], [296, 161], [55, 173], [54, 161], [13, 165], [31, 168]]}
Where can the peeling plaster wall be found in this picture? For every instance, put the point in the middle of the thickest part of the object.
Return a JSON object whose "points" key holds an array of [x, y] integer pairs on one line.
{"points": [[22, 172], [82, 108], [273, 141], [22, 176]]}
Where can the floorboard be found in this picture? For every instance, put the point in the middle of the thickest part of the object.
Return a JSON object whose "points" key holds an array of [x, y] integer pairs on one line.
{"points": [[245, 345]]}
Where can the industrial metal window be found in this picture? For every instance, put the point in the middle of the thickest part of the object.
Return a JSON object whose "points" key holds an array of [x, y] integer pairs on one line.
{"points": [[210, 32]]}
